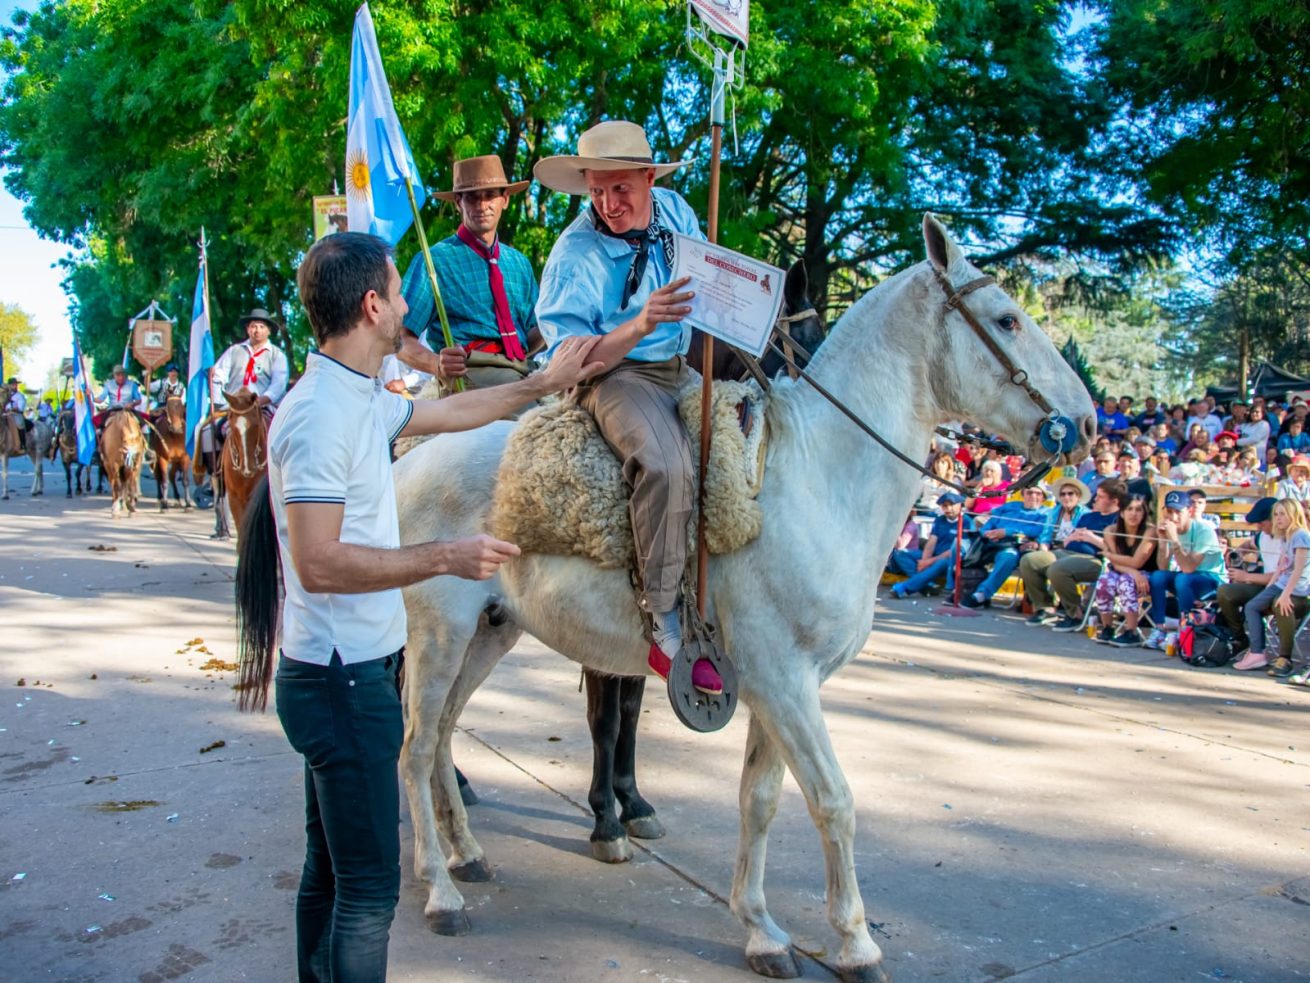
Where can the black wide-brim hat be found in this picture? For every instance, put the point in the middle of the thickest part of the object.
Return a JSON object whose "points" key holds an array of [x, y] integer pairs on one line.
{"points": [[259, 314]]}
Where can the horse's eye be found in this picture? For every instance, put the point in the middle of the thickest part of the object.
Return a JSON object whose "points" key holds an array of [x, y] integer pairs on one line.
{"points": [[1009, 323]]}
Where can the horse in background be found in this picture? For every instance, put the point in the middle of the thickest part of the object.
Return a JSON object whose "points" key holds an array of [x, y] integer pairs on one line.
{"points": [[122, 451], [11, 441], [168, 441], [245, 457], [66, 437], [40, 442]]}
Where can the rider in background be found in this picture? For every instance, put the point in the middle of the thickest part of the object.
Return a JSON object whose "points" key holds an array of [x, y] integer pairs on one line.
{"points": [[169, 387], [119, 393], [255, 364], [16, 409]]}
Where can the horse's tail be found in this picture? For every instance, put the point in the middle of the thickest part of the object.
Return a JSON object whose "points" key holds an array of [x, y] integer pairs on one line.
{"points": [[257, 595]]}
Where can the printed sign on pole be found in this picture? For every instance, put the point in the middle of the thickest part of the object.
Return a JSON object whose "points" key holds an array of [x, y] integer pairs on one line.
{"points": [[329, 215], [152, 342], [727, 17]]}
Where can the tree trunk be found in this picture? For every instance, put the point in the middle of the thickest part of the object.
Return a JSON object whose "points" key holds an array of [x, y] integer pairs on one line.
{"points": [[1244, 361]]}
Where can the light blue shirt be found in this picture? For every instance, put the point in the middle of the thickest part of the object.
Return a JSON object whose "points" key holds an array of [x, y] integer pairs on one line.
{"points": [[582, 284]]}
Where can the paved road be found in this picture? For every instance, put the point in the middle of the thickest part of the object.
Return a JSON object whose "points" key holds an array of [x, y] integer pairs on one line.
{"points": [[1031, 806]]}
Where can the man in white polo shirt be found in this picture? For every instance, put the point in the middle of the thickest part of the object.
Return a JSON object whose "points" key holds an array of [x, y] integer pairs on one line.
{"points": [[343, 624]]}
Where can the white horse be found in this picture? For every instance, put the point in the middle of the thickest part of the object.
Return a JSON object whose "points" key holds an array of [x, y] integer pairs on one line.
{"points": [[792, 607]]}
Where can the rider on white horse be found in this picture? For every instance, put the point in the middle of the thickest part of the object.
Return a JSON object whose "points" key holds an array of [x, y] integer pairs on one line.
{"points": [[610, 274]]}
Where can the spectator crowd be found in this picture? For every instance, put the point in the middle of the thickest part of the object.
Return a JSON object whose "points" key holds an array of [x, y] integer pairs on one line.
{"points": [[1122, 545]]}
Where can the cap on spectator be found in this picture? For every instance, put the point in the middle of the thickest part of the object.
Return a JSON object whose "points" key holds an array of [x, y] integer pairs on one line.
{"points": [[1178, 501], [1261, 510], [950, 498], [1227, 433], [1144, 439]]}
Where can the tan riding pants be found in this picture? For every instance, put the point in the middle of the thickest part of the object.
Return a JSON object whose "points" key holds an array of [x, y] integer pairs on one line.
{"points": [[635, 406]]}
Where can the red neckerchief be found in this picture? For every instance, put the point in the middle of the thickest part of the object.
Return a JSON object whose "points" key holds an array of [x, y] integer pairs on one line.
{"points": [[248, 380], [509, 335]]}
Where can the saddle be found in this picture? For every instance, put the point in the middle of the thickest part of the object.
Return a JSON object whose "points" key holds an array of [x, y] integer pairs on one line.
{"points": [[560, 489]]}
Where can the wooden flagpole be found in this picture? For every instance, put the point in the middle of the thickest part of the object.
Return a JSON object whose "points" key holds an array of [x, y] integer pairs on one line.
{"points": [[432, 276]]}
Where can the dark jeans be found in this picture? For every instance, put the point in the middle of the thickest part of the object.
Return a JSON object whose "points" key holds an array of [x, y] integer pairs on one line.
{"points": [[346, 721], [1187, 587]]}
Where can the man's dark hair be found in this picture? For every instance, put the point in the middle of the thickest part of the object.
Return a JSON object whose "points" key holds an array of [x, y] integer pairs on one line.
{"points": [[1196, 493], [335, 275], [1116, 490]]}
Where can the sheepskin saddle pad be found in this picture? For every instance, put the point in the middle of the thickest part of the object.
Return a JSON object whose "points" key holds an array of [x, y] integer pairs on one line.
{"points": [[561, 491]]}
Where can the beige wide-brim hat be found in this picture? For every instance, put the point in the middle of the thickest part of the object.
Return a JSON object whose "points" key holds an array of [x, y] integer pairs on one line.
{"points": [[1068, 475], [478, 174], [610, 146]]}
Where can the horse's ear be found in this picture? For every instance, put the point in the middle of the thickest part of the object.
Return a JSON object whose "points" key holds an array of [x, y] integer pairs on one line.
{"points": [[796, 287], [943, 253]]}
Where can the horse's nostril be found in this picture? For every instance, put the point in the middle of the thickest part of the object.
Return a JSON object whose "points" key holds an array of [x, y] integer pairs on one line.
{"points": [[1089, 428]]}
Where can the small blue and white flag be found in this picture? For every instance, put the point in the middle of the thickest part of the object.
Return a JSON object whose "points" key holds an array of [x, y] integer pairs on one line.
{"points": [[83, 407], [378, 158], [201, 357]]}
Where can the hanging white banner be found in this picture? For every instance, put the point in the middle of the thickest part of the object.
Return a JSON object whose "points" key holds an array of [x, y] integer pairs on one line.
{"points": [[727, 17]]}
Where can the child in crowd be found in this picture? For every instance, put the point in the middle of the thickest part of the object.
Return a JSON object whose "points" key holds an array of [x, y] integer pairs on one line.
{"points": [[1288, 594]]}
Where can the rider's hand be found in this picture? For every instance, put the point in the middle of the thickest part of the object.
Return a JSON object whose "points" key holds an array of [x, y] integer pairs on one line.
{"points": [[570, 364], [452, 363], [395, 386], [478, 557], [667, 305]]}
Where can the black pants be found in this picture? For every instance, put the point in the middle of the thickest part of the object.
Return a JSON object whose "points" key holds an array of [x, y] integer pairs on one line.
{"points": [[346, 722]]}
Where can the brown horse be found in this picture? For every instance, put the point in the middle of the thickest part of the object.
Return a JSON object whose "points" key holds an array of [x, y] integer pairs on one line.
{"points": [[10, 442], [245, 455], [122, 449], [73, 468], [168, 441]]}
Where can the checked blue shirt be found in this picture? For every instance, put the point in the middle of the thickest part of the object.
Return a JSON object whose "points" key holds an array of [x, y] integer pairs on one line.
{"points": [[466, 290]]}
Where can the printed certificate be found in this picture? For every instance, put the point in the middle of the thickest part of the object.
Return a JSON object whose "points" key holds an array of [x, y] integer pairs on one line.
{"points": [[737, 298]]}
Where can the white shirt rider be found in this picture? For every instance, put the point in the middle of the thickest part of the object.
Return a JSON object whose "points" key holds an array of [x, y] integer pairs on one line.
{"points": [[17, 401], [120, 392], [253, 364]]}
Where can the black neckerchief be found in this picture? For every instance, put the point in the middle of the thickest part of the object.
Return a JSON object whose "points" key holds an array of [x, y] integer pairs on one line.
{"points": [[640, 241]]}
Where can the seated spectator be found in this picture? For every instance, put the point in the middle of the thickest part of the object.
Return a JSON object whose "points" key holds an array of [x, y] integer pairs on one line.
{"points": [[1151, 415], [1088, 465], [1198, 439], [1159, 466], [1102, 468], [909, 537], [1128, 466], [1007, 529], [1296, 412], [1192, 471], [990, 490], [1253, 431], [1251, 568], [942, 465], [1295, 440], [1130, 559], [1109, 420], [1163, 438], [1297, 483], [1288, 593], [1242, 468], [938, 553], [1201, 411], [1190, 563], [1143, 447], [1077, 562], [1199, 502]]}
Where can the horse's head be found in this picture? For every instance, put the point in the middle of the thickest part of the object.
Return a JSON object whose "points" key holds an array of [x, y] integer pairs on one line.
{"points": [[994, 366], [175, 413]]}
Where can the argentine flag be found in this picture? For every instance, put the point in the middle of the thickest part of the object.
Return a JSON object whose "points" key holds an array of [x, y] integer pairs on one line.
{"points": [[82, 407], [200, 358], [378, 158]]}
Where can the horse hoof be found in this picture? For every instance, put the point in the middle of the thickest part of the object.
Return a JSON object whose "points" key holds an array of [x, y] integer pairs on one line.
{"points": [[871, 973], [775, 965], [473, 872], [467, 795], [448, 922], [612, 851], [645, 827]]}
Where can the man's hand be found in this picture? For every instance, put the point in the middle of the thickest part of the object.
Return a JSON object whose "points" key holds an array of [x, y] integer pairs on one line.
{"points": [[570, 364], [924, 562], [1169, 530], [994, 534], [666, 306], [479, 557], [452, 363]]}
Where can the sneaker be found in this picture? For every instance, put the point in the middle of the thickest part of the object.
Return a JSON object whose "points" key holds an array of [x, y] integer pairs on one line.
{"points": [[1067, 623], [1252, 660], [704, 676], [1301, 678], [897, 595], [1041, 618], [1127, 639], [1156, 640], [1281, 667], [1105, 636], [973, 601]]}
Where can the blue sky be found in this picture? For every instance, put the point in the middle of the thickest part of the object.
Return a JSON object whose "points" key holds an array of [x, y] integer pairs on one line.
{"points": [[30, 276]]}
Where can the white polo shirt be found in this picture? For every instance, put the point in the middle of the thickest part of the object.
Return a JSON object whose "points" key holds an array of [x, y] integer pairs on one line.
{"points": [[329, 442]]}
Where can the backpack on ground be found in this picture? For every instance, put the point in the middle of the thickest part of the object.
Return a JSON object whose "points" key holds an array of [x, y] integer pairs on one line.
{"points": [[1206, 646]]}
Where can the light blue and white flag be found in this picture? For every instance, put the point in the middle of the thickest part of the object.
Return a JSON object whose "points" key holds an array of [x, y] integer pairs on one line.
{"points": [[201, 357], [378, 158], [83, 406]]}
